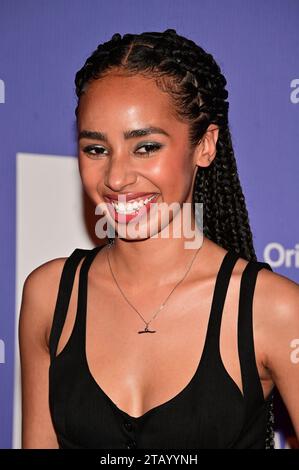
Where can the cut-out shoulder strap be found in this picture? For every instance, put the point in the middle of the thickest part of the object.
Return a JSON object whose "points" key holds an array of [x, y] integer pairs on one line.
{"points": [[252, 388], [63, 297], [212, 345]]}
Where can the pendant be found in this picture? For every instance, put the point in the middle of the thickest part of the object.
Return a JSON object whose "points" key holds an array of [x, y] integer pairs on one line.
{"points": [[146, 330]]}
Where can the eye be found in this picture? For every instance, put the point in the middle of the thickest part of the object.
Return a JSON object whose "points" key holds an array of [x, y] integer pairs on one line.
{"points": [[151, 148], [93, 150]]}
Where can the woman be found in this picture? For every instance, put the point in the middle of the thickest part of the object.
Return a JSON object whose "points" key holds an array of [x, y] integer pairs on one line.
{"points": [[153, 128]]}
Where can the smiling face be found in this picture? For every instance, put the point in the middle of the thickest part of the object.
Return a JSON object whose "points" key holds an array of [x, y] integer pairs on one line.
{"points": [[115, 161]]}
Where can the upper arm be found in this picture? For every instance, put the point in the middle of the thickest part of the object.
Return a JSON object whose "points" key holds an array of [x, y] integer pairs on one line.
{"points": [[279, 307], [36, 314]]}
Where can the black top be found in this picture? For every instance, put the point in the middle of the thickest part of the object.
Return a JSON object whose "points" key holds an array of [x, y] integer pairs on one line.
{"points": [[210, 412]]}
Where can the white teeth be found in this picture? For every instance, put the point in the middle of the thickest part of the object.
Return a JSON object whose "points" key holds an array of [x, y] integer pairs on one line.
{"points": [[131, 207], [121, 206]]}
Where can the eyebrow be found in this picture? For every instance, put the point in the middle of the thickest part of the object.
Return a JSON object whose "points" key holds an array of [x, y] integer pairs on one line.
{"points": [[130, 134]]}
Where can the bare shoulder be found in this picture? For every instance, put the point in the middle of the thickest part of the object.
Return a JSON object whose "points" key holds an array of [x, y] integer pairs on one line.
{"points": [[278, 296], [39, 297], [47, 271], [276, 306]]}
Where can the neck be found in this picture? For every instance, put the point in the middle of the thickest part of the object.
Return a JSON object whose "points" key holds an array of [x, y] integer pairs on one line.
{"points": [[156, 260]]}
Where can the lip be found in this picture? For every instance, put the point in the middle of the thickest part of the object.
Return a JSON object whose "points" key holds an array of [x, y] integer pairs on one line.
{"points": [[126, 196], [125, 218]]}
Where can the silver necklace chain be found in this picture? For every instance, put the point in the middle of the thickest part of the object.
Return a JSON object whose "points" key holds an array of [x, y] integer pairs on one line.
{"points": [[146, 330]]}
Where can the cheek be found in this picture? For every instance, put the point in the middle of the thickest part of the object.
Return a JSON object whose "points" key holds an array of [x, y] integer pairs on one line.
{"points": [[91, 178], [174, 174]]}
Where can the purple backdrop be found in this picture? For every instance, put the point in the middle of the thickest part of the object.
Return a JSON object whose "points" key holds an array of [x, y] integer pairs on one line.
{"points": [[42, 44]]}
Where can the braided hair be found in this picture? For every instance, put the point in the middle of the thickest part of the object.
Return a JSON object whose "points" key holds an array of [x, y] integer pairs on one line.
{"points": [[196, 87]]}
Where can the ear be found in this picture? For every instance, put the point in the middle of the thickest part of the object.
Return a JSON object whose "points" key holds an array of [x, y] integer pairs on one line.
{"points": [[205, 151]]}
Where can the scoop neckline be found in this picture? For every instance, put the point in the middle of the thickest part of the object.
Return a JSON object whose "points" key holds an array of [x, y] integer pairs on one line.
{"points": [[180, 395]]}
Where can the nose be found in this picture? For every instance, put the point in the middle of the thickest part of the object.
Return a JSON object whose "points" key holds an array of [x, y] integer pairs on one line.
{"points": [[119, 174]]}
